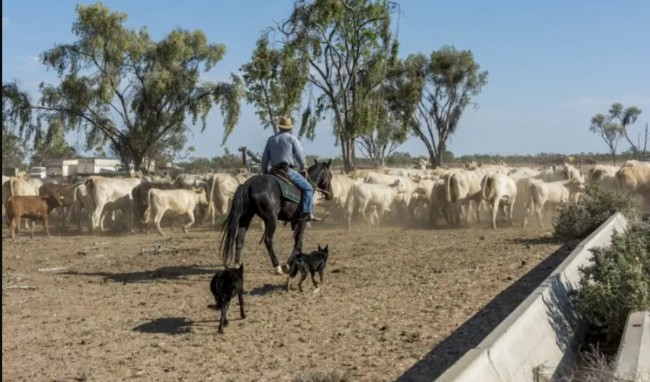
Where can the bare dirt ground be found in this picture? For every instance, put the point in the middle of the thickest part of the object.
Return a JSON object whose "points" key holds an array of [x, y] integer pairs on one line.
{"points": [[396, 304]]}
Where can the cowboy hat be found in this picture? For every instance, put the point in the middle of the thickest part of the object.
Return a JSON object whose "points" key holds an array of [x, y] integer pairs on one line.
{"points": [[285, 123]]}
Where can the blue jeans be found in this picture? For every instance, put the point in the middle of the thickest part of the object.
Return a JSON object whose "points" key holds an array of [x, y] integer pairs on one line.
{"points": [[305, 187]]}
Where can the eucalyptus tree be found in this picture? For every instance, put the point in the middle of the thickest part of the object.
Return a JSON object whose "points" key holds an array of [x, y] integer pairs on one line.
{"points": [[385, 131], [609, 131], [348, 50], [119, 86], [275, 81], [434, 92], [626, 117], [16, 124]]}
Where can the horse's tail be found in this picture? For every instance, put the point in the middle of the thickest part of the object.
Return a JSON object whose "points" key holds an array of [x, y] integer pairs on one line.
{"points": [[230, 227]]}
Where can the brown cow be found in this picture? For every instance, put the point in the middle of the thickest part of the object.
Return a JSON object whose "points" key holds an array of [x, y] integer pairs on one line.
{"points": [[31, 207]]}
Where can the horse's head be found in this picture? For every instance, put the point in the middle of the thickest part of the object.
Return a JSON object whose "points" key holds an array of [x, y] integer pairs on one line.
{"points": [[320, 177]]}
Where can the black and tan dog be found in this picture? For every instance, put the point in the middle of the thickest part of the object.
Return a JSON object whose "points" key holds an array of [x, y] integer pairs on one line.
{"points": [[307, 262], [224, 285]]}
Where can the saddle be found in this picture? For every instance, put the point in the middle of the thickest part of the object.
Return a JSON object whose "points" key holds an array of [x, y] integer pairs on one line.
{"points": [[288, 190]]}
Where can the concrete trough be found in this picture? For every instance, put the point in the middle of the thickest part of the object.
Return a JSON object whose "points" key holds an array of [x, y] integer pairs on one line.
{"points": [[540, 338], [633, 357]]}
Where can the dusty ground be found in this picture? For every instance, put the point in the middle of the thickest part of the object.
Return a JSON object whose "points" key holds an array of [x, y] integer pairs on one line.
{"points": [[390, 296]]}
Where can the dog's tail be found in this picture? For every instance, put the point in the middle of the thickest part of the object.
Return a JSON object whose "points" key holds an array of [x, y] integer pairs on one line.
{"points": [[240, 203]]}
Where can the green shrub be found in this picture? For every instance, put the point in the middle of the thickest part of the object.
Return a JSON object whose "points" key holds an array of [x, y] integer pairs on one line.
{"points": [[617, 282], [577, 220]]}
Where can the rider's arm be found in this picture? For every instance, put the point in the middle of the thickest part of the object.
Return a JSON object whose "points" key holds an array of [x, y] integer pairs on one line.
{"points": [[266, 158], [299, 154]]}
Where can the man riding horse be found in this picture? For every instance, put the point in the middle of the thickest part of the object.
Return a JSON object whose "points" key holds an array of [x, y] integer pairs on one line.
{"points": [[284, 150], [267, 196]]}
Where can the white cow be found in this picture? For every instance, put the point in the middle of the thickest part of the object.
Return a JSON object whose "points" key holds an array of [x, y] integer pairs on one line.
{"points": [[83, 206], [635, 181], [604, 176], [387, 180], [552, 193], [523, 172], [461, 188], [104, 190], [364, 194], [634, 162], [178, 202], [500, 189], [223, 187], [341, 186]]}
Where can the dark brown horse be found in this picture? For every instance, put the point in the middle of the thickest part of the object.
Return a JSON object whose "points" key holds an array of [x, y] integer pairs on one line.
{"points": [[261, 195]]}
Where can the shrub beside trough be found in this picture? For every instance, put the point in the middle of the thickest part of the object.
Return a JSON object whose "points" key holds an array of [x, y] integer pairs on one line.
{"points": [[541, 336]]}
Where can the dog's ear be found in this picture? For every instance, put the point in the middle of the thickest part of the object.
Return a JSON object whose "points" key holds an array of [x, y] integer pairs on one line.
{"points": [[241, 268], [319, 248], [326, 249]]}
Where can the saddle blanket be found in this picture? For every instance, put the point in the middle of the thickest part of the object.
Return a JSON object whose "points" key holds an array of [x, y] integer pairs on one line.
{"points": [[289, 190]]}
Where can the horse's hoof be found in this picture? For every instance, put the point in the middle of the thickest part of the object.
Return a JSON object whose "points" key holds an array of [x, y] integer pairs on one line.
{"points": [[278, 270]]}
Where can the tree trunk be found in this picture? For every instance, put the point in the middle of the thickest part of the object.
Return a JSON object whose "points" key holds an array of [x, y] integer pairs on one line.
{"points": [[347, 151], [432, 159], [137, 162], [614, 157]]}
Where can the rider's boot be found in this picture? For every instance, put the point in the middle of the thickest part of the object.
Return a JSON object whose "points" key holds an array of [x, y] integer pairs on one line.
{"points": [[309, 217]]}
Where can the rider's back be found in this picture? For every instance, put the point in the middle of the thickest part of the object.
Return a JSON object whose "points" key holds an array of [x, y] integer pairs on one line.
{"points": [[284, 148]]}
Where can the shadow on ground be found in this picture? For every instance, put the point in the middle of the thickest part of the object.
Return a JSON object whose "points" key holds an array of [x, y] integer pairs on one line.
{"points": [[162, 273], [266, 289], [166, 325], [475, 329]]}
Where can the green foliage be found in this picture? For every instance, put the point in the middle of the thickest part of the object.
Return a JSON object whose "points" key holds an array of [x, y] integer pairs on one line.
{"points": [[434, 92], [121, 87], [626, 117], [609, 131], [202, 165], [274, 82], [13, 152], [577, 220], [349, 50], [51, 144], [617, 282], [16, 124], [385, 129]]}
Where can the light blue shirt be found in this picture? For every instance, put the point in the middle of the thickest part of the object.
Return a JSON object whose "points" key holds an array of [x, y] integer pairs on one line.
{"points": [[283, 147]]}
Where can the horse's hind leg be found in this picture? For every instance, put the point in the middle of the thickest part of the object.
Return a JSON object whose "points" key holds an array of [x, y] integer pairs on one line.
{"points": [[269, 230], [244, 222]]}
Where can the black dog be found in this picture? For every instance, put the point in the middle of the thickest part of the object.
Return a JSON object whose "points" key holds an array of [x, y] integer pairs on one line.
{"points": [[312, 263], [224, 285]]}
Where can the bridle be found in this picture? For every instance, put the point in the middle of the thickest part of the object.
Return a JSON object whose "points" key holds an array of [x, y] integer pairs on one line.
{"points": [[324, 192]]}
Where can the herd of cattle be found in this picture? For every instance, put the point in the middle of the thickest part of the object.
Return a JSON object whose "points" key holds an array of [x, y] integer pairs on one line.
{"points": [[410, 195]]}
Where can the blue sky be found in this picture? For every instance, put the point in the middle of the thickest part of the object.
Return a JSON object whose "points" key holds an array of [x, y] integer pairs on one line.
{"points": [[552, 64]]}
